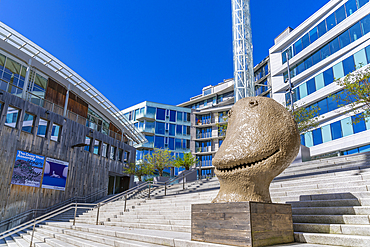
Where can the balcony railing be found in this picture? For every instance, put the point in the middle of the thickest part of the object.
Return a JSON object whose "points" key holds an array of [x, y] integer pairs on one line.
{"points": [[205, 121], [148, 130], [204, 163], [50, 106], [204, 149], [204, 135]]}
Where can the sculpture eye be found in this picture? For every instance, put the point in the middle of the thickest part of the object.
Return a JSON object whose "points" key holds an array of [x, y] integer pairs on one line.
{"points": [[253, 103], [229, 114]]}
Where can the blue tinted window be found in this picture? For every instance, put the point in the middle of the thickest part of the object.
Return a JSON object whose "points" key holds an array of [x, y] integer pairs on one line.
{"points": [[287, 99], [300, 68], [321, 28], [179, 116], [334, 46], [340, 14], [305, 41], [171, 143], [355, 32], [177, 143], [159, 128], [173, 116], [296, 94], [352, 151], [313, 35], [316, 57], [348, 65], [364, 149], [287, 51], [159, 142], [362, 3], [367, 50], [332, 104], [323, 106], [360, 126], [302, 140], [336, 130], [308, 63], [351, 7], [298, 47], [150, 138], [325, 51], [311, 87], [317, 137], [328, 76], [344, 39], [365, 23], [161, 114], [330, 21], [179, 129], [172, 129]]}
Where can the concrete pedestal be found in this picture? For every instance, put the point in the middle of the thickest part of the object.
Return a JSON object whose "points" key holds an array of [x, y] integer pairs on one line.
{"points": [[242, 223]]}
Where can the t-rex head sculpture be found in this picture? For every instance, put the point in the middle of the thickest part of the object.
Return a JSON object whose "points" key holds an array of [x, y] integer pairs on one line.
{"points": [[262, 139]]}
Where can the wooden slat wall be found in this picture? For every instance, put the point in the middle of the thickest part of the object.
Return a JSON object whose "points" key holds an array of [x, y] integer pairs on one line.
{"points": [[87, 172], [55, 93], [77, 105]]}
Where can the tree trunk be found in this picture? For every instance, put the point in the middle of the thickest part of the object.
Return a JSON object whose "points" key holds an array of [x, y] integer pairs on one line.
{"points": [[160, 173], [187, 168], [139, 177]]}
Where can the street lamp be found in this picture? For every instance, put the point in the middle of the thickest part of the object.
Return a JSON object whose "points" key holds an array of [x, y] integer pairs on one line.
{"points": [[288, 80]]}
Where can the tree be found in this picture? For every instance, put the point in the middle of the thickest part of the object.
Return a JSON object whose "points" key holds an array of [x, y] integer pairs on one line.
{"points": [[306, 118], [139, 170], [355, 94], [222, 124], [188, 161], [160, 159]]}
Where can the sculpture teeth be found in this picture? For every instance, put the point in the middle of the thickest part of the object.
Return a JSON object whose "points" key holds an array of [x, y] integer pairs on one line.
{"points": [[240, 166]]}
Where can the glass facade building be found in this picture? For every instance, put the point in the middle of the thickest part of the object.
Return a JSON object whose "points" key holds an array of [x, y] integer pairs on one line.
{"points": [[329, 45], [164, 126]]}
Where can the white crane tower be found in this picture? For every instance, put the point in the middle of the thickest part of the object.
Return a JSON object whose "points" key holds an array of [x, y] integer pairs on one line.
{"points": [[243, 50]]}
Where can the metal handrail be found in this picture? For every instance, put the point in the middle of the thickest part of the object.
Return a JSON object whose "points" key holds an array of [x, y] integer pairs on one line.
{"points": [[61, 204], [75, 206]]}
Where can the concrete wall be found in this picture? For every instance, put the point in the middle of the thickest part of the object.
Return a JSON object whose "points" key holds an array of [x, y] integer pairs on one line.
{"points": [[88, 172]]}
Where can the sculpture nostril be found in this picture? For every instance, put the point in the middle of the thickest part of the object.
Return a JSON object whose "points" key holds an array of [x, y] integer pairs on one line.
{"points": [[253, 103]]}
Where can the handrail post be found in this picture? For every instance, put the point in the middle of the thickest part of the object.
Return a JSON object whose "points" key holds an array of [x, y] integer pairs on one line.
{"points": [[149, 191], [34, 219], [74, 218], [124, 209], [97, 215], [165, 188], [183, 181]]}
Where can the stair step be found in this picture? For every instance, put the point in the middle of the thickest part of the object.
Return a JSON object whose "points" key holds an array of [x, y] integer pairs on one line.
{"points": [[363, 230], [332, 239]]}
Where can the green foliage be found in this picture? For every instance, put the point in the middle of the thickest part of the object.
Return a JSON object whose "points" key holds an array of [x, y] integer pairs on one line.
{"points": [[139, 170], [306, 119], [222, 126], [355, 94], [160, 159], [188, 161]]}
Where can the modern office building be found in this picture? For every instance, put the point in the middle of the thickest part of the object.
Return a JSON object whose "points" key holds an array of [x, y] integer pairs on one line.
{"points": [[209, 115], [164, 126], [330, 44], [59, 137]]}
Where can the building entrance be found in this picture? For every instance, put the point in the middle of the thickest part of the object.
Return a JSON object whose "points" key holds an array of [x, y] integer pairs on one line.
{"points": [[118, 184]]}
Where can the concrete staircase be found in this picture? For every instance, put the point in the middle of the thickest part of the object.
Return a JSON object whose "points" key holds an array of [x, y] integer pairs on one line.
{"points": [[330, 200]]}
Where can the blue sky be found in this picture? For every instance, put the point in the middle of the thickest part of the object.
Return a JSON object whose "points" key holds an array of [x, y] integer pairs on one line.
{"points": [[162, 51]]}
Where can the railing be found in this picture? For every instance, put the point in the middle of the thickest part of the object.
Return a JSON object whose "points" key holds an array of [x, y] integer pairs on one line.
{"points": [[204, 149], [205, 121], [50, 106], [204, 135], [74, 206], [25, 45], [206, 163], [91, 197]]}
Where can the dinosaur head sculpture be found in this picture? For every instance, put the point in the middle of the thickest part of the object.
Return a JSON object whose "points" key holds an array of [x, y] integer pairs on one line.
{"points": [[261, 141]]}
